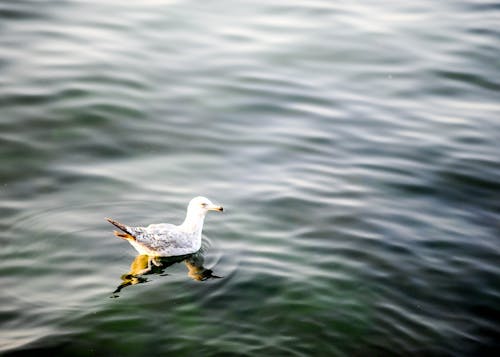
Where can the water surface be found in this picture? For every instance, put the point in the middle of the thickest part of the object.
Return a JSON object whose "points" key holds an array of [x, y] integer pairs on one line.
{"points": [[354, 147]]}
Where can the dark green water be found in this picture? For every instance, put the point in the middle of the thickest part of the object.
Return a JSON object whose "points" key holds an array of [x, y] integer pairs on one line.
{"points": [[354, 145]]}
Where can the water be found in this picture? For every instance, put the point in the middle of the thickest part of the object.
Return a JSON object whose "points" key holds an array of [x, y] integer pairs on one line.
{"points": [[354, 146]]}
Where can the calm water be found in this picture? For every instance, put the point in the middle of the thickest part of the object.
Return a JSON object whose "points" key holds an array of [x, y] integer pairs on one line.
{"points": [[354, 145]]}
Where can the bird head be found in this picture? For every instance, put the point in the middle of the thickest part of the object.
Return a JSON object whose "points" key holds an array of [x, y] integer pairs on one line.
{"points": [[203, 205]]}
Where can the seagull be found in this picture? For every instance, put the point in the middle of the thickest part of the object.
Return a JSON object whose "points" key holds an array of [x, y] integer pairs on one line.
{"points": [[169, 240]]}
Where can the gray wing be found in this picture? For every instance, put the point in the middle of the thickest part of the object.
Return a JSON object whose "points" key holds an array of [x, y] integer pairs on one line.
{"points": [[159, 237]]}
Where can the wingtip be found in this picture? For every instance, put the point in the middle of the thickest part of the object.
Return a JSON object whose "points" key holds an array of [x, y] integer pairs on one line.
{"points": [[125, 236]]}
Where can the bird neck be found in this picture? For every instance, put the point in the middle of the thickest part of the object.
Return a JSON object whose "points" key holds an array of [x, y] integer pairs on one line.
{"points": [[193, 222]]}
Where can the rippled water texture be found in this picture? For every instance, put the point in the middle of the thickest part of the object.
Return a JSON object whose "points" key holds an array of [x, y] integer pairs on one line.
{"points": [[354, 146]]}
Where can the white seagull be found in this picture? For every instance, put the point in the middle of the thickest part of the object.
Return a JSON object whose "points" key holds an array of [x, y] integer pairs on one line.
{"points": [[168, 240]]}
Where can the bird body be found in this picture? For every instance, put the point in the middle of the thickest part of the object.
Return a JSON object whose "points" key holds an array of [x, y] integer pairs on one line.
{"points": [[165, 239]]}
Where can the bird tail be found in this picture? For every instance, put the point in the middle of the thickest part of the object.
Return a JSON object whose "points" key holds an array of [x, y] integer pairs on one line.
{"points": [[126, 235]]}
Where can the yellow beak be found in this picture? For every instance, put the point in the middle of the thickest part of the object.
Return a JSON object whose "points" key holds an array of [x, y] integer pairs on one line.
{"points": [[216, 208]]}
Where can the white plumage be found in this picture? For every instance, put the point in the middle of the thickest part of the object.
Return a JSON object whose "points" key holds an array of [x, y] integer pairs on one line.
{"points": [[165, 239]]}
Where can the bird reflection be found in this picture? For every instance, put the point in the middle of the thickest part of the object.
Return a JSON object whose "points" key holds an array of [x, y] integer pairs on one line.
{"points": [[147, 265]]}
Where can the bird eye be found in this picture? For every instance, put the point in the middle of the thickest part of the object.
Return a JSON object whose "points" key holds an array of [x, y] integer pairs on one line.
{"points": [[203, 205]]}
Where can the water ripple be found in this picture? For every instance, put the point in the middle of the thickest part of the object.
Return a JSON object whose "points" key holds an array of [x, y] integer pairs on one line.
{"points": [[354, 147]]}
